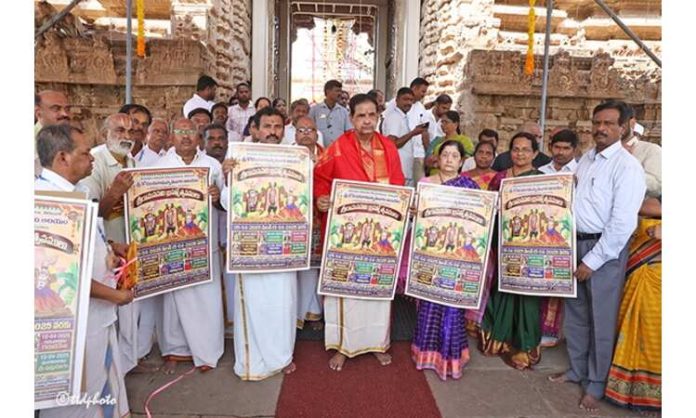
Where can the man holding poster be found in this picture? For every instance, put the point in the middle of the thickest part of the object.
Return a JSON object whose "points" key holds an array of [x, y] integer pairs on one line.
{"points": [[192, 325], [610, 190], [265, 304], [65, 158], [353, 326]]}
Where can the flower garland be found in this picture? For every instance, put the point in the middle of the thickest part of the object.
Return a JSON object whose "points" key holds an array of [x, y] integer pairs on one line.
{"points": [[529, 62], [140, 10]]}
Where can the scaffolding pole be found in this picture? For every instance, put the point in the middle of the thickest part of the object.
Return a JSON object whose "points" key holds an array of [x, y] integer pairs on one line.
{"points": [[545, 77], [129, 51]]}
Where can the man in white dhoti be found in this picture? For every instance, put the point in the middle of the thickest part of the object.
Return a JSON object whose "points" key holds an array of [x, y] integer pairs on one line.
{"points": [[216, 144], [65, 159], [264, 303], [309, 307], [192, 323], [355, 326]]}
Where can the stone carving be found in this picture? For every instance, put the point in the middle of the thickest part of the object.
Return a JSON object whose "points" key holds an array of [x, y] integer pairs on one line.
{"points": [[602, 78], [561, 75], [50, 60]]}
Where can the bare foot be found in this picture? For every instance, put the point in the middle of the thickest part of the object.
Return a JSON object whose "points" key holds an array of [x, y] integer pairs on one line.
{"points": [[336, 362], [204, 368], [169, 367], [383, 358], [317, 325], [559, 378], [290, 368], [589, 403]]}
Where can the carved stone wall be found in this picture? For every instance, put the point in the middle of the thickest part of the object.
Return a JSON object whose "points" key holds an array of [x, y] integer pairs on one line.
{"points": [[207, 37], [91, 72], [474, 50]]}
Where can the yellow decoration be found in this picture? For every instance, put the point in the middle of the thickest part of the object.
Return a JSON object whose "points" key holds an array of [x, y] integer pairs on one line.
{"points": [[529, 61], [140, 10]]}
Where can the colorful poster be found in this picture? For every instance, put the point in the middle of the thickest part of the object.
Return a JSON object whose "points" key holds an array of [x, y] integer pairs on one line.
{"points": [[537, 236], [64, 231], [270, 221], [450, 243], [364, 240], [167, 217]]}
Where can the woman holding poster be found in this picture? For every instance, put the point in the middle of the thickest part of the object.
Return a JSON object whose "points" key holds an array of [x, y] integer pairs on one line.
{"points": [[510, 326], [355, 326], [439, 342]]}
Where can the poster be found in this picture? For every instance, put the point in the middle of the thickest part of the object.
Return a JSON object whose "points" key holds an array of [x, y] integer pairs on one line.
{"points": [[364, 238], [450, 243], [167, 216], [270, 221], [64, 232], [537, 236]]}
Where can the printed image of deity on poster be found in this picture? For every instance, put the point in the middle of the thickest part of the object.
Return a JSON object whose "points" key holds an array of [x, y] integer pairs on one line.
{"points": [[537, 236], [167, 219], [364, 239], [63, 247], [270, 221], [450, 245]]}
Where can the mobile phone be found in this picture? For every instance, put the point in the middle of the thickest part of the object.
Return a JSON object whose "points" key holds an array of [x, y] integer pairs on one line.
{"points": [[424, 125]]}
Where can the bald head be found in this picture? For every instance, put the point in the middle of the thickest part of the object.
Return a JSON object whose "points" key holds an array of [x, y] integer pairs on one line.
{"points": [[51, 108], [185, 138]]}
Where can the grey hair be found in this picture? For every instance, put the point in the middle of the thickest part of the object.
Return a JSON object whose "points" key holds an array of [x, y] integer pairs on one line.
{"points": [[51, 140]]}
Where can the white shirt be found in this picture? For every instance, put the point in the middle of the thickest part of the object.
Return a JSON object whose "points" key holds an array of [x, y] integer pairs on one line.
{"points": [[104, 170], [289, 136], [417, 115], [650, 157], [551, 169], [610, 188], [434, 129], [469, 164], [102, 313], [195, 102], [238, 117], [147, 157], [396, 124]]}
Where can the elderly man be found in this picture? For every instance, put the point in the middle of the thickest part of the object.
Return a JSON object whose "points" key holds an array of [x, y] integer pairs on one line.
{"points": [[192, 325], [397, 127], [331, 119], [107, 184], [265, 307], [238, 115], [50, 108], [504, 161], [309, 306], [65, 159], [298, 109], [204, 95], [648, 154], [609, 192], [141, 122]]}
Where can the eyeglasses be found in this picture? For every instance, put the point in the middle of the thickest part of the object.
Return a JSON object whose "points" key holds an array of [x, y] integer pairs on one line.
{"points": [[185, 131], [305, 130]]}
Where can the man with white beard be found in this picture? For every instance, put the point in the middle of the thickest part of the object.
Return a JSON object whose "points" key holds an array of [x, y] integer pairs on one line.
{"points": [[107, 183]]}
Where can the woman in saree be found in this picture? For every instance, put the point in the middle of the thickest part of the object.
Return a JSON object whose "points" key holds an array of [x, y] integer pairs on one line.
{"points": [[635, 376], [510, 327], [450, 126], [484, 154], [439, 342]]}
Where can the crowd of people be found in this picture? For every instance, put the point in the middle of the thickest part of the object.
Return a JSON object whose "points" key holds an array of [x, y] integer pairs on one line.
{"points": [[612, 328]]}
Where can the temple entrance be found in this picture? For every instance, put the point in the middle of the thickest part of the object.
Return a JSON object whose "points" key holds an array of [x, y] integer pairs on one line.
{"points": [[298, 45]]}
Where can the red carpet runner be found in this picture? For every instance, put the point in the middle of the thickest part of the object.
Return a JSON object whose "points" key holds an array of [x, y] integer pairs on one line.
{"points": [[362, 389]]}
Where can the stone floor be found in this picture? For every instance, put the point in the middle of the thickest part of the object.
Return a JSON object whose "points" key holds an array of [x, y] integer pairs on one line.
{"points": [[488, 389]]}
